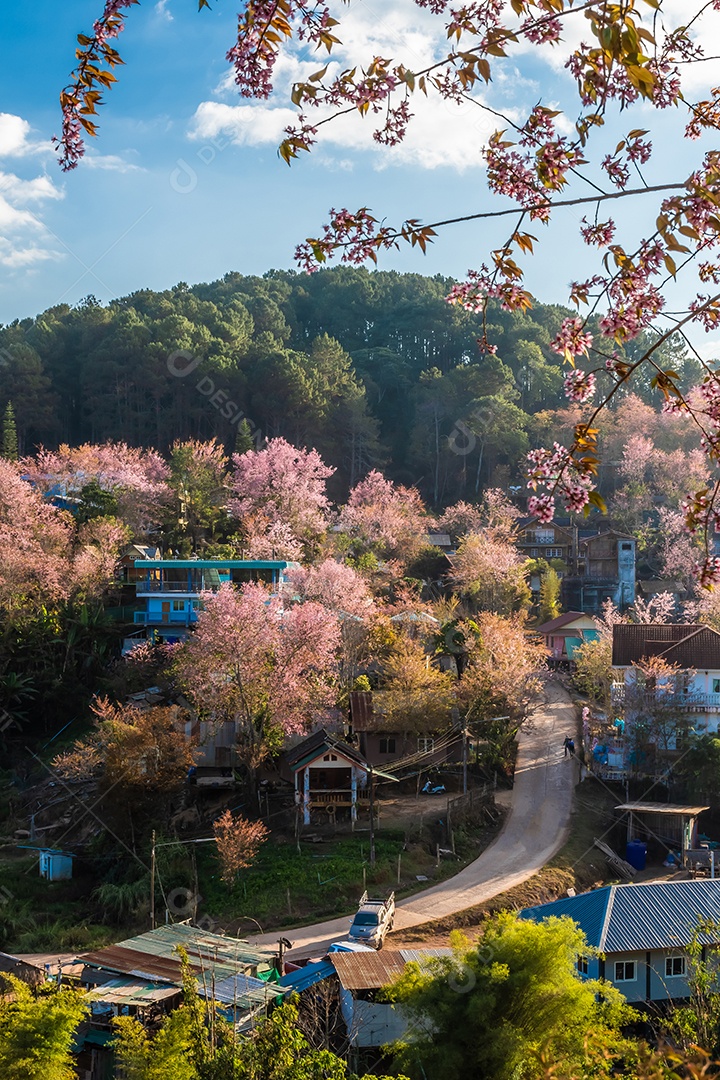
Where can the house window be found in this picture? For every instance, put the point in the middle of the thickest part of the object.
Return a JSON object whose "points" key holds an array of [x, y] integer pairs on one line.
{"points": [[674, 966], [626, 547], [387, 746], [178, 605], [625, 971], [426, 746], [544, 536], [716, 686], [330, 757], [554, 553], [582, 965]]}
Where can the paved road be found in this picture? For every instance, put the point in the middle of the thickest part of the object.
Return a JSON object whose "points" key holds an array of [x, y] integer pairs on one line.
{"points": [[534, 830]]}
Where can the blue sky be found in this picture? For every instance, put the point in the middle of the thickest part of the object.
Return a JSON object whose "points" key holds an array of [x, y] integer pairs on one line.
{"points": [[184, 182]]}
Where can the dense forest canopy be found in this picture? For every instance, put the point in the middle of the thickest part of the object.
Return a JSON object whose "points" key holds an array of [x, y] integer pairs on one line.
{"points": [[374, 369]]}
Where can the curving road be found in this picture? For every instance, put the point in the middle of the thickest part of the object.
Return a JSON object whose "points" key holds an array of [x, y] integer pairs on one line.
{"points": [[535, 828]]}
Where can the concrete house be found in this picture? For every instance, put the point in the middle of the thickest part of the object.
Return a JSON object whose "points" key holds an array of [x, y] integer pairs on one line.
{"points": [[693, 648], [641, 932], [171, 589]]}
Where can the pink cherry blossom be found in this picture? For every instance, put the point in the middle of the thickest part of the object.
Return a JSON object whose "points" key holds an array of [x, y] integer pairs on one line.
{"points": [[572, 338], [579, 385]]}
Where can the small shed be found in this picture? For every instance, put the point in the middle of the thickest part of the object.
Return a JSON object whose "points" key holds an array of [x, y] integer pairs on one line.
{"points": [[371, 1023], [329, 774], [671, 824], [55, 865]]}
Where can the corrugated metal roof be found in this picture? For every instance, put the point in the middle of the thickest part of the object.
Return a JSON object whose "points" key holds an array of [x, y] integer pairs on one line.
{"points": [[361, 710], [662, 808], [699, 650], [367, 971], [152, 955], [124, 991], [370, 971], [418, 955], [243, 991], [307, 976], [588, 910], [634, 918]]}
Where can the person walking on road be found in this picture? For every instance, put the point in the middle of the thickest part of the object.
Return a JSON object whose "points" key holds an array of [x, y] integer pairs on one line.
{"points": [[569, 746]]}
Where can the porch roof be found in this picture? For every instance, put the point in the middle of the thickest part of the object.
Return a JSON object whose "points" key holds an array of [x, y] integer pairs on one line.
{"points": [[318, 744]]}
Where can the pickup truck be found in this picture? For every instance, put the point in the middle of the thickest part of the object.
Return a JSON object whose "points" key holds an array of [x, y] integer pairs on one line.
{"points": [[373, 920]]}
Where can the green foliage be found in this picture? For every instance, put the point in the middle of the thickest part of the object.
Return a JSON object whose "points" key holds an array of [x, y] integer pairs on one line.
{"points": [[697, 1023], [95, 501], [699, 767], [503, 1009], [9, 448], [36, 1032], [549, 595], [142, 1056], [373, 369]]}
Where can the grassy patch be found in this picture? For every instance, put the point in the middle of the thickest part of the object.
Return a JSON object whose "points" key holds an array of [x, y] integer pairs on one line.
{"points": [[286, 886], [43, 916], [107, 898]]}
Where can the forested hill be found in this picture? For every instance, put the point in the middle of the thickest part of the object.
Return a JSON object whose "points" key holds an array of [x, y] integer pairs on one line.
{"points": [[372, 369]]}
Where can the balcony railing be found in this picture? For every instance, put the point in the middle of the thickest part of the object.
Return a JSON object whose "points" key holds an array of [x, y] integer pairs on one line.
{"points": [[191, 588], [335, 797], [692, 702], [165, 618]]}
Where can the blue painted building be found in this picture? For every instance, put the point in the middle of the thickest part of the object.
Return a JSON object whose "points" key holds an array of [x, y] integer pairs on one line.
{"points": [[55, 865], [639, 934], [171, 588]]}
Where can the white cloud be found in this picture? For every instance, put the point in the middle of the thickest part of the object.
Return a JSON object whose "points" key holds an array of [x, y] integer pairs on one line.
{"points": [[161, 9], [15, 140], [25, 239], [109, 162], [441, 134]]}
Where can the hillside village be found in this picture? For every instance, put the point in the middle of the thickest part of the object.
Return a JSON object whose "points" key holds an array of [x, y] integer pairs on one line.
{"points": [[292, 754]]}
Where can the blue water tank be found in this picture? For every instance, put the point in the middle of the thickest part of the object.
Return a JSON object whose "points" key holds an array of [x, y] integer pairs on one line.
{"points": [[636, 854]]}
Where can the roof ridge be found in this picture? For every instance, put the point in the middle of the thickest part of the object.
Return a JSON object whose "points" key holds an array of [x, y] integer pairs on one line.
{"points": [[606, 921], [683, 641]]}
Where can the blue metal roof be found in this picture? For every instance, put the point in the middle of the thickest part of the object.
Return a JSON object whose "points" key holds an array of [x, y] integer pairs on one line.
{"points": [[633, 918], [307, 976]]}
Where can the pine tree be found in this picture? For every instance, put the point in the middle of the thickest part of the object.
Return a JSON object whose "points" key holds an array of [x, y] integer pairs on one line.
{"points": [[244, 440], [9, 434]]}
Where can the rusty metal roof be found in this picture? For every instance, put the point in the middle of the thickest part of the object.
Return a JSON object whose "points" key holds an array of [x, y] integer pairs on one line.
{"points": [[361, 710], [370, 971], [154, 955]]}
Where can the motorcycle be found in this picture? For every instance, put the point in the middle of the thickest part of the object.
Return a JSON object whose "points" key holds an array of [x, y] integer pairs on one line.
{"points": [[433, 789]]}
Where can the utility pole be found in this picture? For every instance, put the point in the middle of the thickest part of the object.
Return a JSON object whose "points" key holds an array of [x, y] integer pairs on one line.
{"points": [[152, 883], [372, 817], [464, 759]]}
